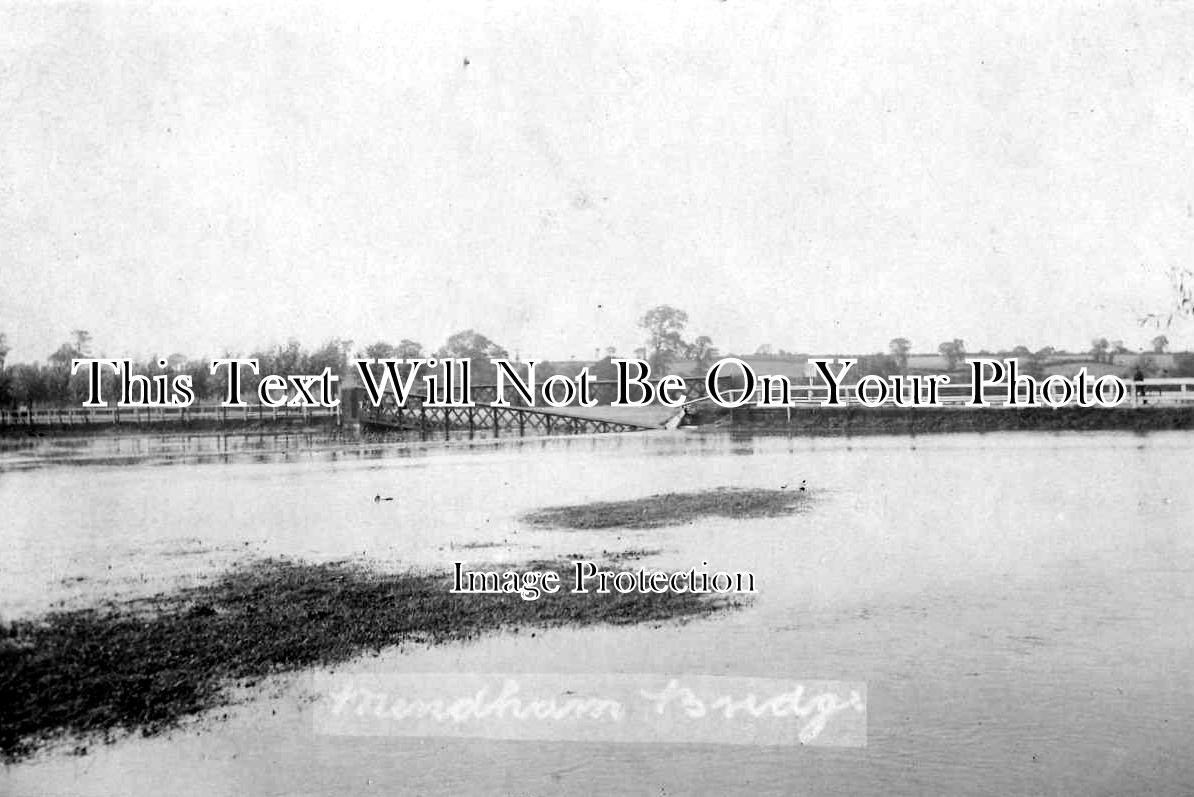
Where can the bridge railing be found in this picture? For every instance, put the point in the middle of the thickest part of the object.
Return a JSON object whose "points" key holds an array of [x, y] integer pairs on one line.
{"points": [[425, 418]]}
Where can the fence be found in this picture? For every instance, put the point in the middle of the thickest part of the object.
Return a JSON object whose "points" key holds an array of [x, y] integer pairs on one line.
{"points": [[1149, 392], [104, 416]]}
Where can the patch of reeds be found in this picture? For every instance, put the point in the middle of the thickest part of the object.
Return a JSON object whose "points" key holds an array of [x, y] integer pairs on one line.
{"points": [[143, 666], [671, 509]]}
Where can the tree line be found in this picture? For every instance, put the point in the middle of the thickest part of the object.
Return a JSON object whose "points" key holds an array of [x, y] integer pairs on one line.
{"points": [[665, 341], [51, 383]]}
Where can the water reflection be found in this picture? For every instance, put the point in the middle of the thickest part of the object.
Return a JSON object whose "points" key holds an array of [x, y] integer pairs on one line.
{"points": [[259, 447]]}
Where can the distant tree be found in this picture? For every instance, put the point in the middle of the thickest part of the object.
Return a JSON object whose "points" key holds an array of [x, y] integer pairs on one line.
{"points": [[764, 350], [5, 377], [1045, 353], [900, 349], [82, 342], [57, 381], [470, 344], [703, 352], [1027, 363], [408, 349], [28, 384], [202, 382], [333, 354], [405, 350], [61, 357], [1160, 343], [954, 351], [176, 362], [477, 349], [287, 358], [1098, 349], [604, 369], [380, 351], [664, 325]]}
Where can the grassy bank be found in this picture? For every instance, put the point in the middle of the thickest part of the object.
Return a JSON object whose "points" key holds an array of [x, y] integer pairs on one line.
{"points": [[143, 666], [671, 509], [892, 420]]}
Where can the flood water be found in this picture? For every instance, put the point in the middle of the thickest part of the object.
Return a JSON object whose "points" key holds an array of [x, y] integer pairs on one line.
{"points": [[1020, 606]]}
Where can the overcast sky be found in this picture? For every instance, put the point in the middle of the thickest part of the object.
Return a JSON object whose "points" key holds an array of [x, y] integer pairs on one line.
{"points": [[817, 176]]}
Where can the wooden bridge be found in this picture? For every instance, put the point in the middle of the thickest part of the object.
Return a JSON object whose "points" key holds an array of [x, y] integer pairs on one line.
{"points": [[417, 415]]}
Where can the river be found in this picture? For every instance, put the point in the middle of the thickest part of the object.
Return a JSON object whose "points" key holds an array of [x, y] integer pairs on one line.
{"points": [[1020, 606]]}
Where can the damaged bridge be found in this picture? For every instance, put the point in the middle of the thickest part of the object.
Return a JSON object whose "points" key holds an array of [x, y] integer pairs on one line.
{"points": [[417, 415]]}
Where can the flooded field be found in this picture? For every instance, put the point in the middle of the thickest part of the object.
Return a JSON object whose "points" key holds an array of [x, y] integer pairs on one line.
{"points": [[1020, 606]]}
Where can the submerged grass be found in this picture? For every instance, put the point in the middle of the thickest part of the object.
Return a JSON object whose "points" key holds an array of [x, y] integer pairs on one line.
{"points": [[143, 666], [670, 509]]}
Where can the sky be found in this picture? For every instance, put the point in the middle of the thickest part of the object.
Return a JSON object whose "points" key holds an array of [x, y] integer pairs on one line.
{"points": [[820, 177]]}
